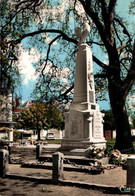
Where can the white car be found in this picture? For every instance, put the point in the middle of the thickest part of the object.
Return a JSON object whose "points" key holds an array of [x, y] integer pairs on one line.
{"points": [[50, 136]]}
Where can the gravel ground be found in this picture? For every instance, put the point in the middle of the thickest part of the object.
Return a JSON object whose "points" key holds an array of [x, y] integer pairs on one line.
{"points": [[11, 187]]}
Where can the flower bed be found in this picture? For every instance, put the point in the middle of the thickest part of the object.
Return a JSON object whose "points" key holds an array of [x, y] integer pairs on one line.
{"points": [[114, 155]]}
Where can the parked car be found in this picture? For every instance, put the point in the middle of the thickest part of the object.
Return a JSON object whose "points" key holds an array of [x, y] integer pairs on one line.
{"points": [[50, 136]]}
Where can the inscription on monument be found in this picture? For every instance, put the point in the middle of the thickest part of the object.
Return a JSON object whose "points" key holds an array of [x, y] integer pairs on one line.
{"points": [[75, 124], [97, 125], [91, 96]]}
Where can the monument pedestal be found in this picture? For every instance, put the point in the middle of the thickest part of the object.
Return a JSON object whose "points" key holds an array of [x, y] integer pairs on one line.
{"points": [[84, 129], [84, 121]]}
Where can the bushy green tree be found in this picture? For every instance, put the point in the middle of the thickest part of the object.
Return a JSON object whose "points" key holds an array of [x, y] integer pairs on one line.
{"points": [[16, 135], [40, 116], [108, 120]]}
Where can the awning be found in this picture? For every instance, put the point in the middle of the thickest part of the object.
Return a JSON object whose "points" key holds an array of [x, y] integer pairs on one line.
{"points": [[25, 132], [5, 129]]}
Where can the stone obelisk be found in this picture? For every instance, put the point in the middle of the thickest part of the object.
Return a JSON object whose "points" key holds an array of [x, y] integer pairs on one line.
{"points": [[84, 121]]}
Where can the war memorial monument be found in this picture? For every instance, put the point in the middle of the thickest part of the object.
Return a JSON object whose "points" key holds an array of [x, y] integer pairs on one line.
{"points": [[84, 121]]}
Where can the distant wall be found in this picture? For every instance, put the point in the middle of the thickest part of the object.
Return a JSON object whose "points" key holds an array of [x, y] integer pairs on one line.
{"points": [[109, 134], [58, 133]]}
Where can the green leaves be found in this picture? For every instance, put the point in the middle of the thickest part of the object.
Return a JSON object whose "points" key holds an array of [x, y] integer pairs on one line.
{"points": [[132, 7], [17, 18], [108, 120], [41, 116]]}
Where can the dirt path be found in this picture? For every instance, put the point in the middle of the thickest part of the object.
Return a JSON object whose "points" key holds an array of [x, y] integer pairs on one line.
{"points": [[115, 177], [11, 187]]}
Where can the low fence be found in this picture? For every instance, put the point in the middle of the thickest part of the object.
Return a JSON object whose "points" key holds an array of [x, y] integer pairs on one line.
{"points": [[57, 164], [58, 171]]}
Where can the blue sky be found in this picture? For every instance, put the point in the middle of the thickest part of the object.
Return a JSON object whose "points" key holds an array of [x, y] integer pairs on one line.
{"points": [[26, 60]]}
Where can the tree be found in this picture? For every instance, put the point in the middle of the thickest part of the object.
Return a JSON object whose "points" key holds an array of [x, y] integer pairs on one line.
{"points": [[40, 116], [119, 85], [108, 120], [109, 32], [16, 18], [133, 119]]}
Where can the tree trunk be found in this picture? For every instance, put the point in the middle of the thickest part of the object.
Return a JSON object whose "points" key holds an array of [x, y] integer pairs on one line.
{"points": [[123, 133], [38, 132]]}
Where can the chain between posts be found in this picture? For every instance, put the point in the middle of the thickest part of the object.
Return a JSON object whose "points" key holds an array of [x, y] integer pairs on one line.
{"points": [[96, 167], [17, 161], [89, 168], [126, 150]]}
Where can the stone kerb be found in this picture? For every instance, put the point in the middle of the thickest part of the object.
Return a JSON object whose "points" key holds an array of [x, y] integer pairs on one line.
{"points": [[57, 172], [38, 150]]}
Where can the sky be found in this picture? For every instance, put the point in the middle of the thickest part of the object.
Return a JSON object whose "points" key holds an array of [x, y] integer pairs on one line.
{"points": [[26, 61]]}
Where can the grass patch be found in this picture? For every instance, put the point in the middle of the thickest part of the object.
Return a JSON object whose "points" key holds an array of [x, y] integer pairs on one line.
{"points": [[111, 142], [54, 141]]}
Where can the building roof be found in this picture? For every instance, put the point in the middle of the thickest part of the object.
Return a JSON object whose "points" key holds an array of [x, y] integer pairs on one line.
{"points": [[28, 103], [17, 110]]}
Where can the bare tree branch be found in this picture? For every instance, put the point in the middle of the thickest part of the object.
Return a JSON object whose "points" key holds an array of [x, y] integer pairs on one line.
{"points": [[104, 66], [48, 51], [63, 35], [100, 75], [125, 31], [91, 42], [67, 91]]}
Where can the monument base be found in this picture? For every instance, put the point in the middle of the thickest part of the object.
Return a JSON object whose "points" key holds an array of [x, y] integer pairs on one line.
{"points": [[79, 144], [79, 147], [83, 130]]}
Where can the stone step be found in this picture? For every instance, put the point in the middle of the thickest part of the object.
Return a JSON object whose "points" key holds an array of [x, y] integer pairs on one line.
{"points": [[67, 151]]}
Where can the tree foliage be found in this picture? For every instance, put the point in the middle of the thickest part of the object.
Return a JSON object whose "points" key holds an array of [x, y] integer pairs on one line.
{"points": [[108, 120], [17, 17], [16, 135], [40, 116], [41, 23]]}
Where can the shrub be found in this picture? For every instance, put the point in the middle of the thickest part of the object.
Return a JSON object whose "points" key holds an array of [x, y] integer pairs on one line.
{"points": [[16, 135], [4, 138]]}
